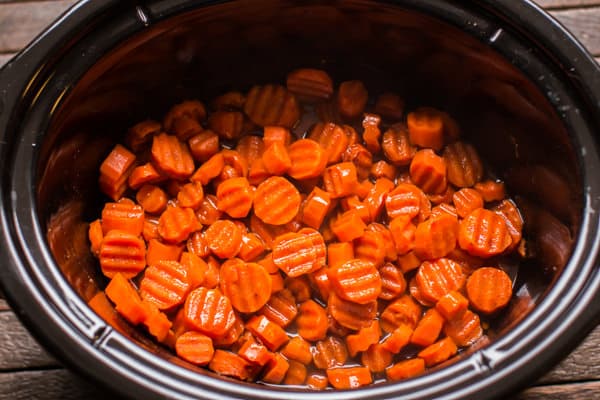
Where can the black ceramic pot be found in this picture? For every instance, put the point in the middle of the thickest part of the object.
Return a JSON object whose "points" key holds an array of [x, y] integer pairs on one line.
{"points": [[524, 90]]}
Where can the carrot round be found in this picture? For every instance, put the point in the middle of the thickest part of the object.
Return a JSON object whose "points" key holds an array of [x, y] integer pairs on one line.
{"points": [[489, 289], [452, 305], [254, 352], [208, 311], [279, 134], [330, 352], [160, 251], [340, 179], [276, 159], [364, 338], [295, 254], [310, 85], [438, 277], [350, 314], [370, 247], [227, 124], [235, 197], [122, 252], [375, 200], [195, 347], [403, 310], [436, 237], [483, 233], [428, 171], [392, 282], [464, 329], [250, 147], [172, 157], [95, 236], [403, 234], [513, 219], [308, 159], [152, 199], [296, 373], [311, 321], [349, 377], [276, 369], [352, 99], [298, 349], [382, 169], [361, 158], [404, 199], [491, 190], [332, 138], [247, 285], [316, 207], [438, 352], [209, 169], [165, 284], [204, 145], [191, 195], [115, 170], [428, 329], [123, 215], [396, 145], [188, 108], [176, 224], [348, 226], [230, 364], [356, 280], [406, 369], [398, 338], [224, 238], [272, 105], [272, 335], [466, 200], [464, 165], [281, 308], [426, 128], [126, 299], [277, 201], [316, 381], [229, 100], [377, 358], [208, 212], [144, 174], [140, 134]]}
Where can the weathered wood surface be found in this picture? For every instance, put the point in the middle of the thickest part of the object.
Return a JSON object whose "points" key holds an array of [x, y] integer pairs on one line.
{"points": [[29, 372]]}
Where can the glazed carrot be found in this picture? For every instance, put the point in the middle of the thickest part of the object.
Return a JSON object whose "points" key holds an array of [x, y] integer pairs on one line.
{"points": [[235, 160], [276, 369], [250, 147], [464, 329], [316, 381], [436, 278], [390, 249], [210, 169], [404, 199], [340, 180], [356, 280], [349, 377], [406, 369], [296, 373], [370, 247], [252, 247], [444, 209], [204, 145], [390, 106], [271, 105], [417, 294], [464, 165], [375, 200], [271, 335], [364, 338], [196, 268], [320, 281], [426, 128], [157, 251], [403, 310], [268, 233], [513, 219], [376, 358], [124, 216], [140, 134], [211, 278], [311, 321], [257, 172], [407, 262], [371, 133], [208, 311], [272, 134], [157, 323], [428, 171], [188, 108], [310, 85], [295, 254], [489, 289], [348, 226], [300, 287], [330, 352], [277, 282], [115, 170], [353, 203], [398, 339], [268, 264], [351, 99], [438, 352], [224, 238], [442, 198], [308, 159], [95, 236], [165, 284], [332, 138], [466, 200], [276, 159], [382, 169], [350, 314], [436, 237], [335, 328], [229, 100], [144, 174], [392, 282], [230, 364], [403, 234], [297, 349], [126, 299], [491, 190], [232, 335], [123, 253], [191, 195], [361, 158], [277, 201], [484, 233], [176, 224], [152, 199], [185, 127], [102, 306], [451, 305], [172, 157], [428, 329], [396, 145], [195, 347], [227, 124], [208, 211], [172, 187], [468, 262], [248, 285], [281, 308], [255, 352], [316, 207], [339, 253]]}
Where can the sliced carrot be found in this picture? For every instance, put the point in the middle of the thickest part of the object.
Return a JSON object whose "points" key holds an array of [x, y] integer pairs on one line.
{"points": [[188, 108], [371, 133], [310, 85], [438, 352], [513, 219], [252, 247], [273, 134], [144, 174], [165, 284], [300, 287], [376, 358], [353, 203], [484, 233], [257, 172], [231, 364], [250, 147], [466, 200], [390, 249], [468, 262], [396, 145], [330, 352], [185, 127], [364, 338], [268, 233], [444, 209], [348, 226], [232, 335], [235, 160], [204, 145], [195, 347], [351, 99], [428, 171], [436, 237], [356, 280], [95, 236], [191, 195], [296, 373], [209, 311], [328, 111], [271, 335], [172, 187], [126, 299], [370, 247], [277, 201], [124, 216], [281, 308], [297, 349], [316, 207], [157, 322], [350, 314], [208, 212], [268, 263], [404, 199], [340, 180], [235, 197], [255, 352], [393, 283], [271, 105], [382, 169], [339, 253], [295, 254], [196, 268], [123, 253], [102, 306], [464, 165], [442, 198], [176, 224], [229, 100], [316, 381], [428, 329], [403, 234], [400, 311], [198, 245], [308, 158], [158, 251], [311, 321], [426, 128], [452, 305], [276, 159], [224, 238], [140, 134], [407, 262], [152, 199], [248, 285], [332, 138], [115, 170], [489, 289], [397, 339], [361, 158], [276, 369], [227, 124], [277, 282], [464, 329], [438, 277], [209, 169], [390, 106], [349, 377], [172, 157], [375, 200], [320, 280], [406, 369], [417, 294], [491, 190]]}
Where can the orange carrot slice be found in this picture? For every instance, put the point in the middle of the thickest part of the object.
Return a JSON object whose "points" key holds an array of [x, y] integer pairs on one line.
{"points": [[356, 280], [428, 171], [231, 364], [310, 85], [426, 128], [382, 169], [276, 369], [484, 233], [428, 329], [144, 174], [204, 145], [235, 197], [371, 133], [271, 105], [489, 289], [295, 254], [389, 105], [403, 234], [152, 199], [361, 158], [348, 226], [464, 165], [436, 237], [406, 369], [172, 157], [158, 251], [311, 321], [139, 135], [124, 216], [276, 159], [403, 310], [271, 335], [224, 238], [339, 253], [248, 285], [227, 124], [464, 329], [308, 159], [452, 305], [352, 99], [195, 347], [364, 338], [396, 145], [350, 314], [491, 190], [370, 247], [277, 201], [208, 311], [209, 170], [466, 200], [316, 207], [208, 212], [404, 199], [438, 352], [115, 170], [95, 236], [349, 377], [126, 299], [392, 282], [123, 253], [330, 352], [340, 180], [316, 381], [281, 308], [398, 339], [332, 138], [298, 349], [176, 224], [439, 277], [375, 200], [376, 358], [165, 284]]}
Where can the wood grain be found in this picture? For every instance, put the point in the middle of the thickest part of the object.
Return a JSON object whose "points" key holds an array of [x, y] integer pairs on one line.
{"points": [[573, 391], [584, 24]]}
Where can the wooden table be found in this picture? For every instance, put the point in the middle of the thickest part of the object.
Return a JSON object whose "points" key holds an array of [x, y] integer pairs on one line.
{"points": [[28, 372]]}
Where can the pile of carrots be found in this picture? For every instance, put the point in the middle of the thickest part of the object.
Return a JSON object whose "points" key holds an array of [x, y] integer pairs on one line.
{"points": [[364, 248]]}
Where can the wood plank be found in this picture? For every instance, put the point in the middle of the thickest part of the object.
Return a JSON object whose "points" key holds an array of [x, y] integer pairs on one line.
{"points": [[566, 3], [572, 391], [584, 23], [49, 385], [22, 21]]}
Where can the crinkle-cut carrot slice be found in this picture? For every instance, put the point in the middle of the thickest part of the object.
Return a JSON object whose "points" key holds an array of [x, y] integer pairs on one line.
{"points": [[442, 198], [406, 369], [338, 253], [172, 187], [252, 247], [354, 203], [230, 364], [371, 133], [188, 108], [404, 199], [250, 147], [426, 128], [351, 99], [276, 159], [310, 85], [224, 238], [428, 171], [268, 233], [279, 134], [191, 195], [316, 381], [466, 200], [370, 247], [267, 262], [416, 293], [232, 335], [403, 310], [308, 158], [208, 212], [172, 157], [204, 145], [103, 307], [513, 219], [235, 197], [144, 174], [320, 280], [364, 338], [196, 268], [140, 134], [361, 158], [403, 234], [185, 127], [316, 207], [468, 262], [298, 349], [396, 145], [332, 138], [356, 280], [438, 352], [229, 100], [330, 352], [375, 200], [348, 226], [436, 237], [407, 262], [255, 352], [340, 179], [377, 358], [122, 252], [208, 311], [443, 209], [300, 287], [198, 245], [157, 323], [390, 249], [209, 169], [438, 277], [277, 201], [277, 282], [272, 105], [227, 124], [393, 283], [115, 170], [235, 160], [349, 314], [311, 321], [464, 329], [276, 369], [383, 169], [195, 347], [489, 289], [335, 328], [296, 373], [158, 251], [295, 254], [464, 166], [152, 199], [390, 106], [452, 305], [176, 224], [397, 339], [123, 215], [248, 285], [491, 190], [484, 233], [257, 172], [95, 236], [428, 329], [270, 334], [281, 308], [349, 377], [165, 284], [126, 299], [211, 279]]}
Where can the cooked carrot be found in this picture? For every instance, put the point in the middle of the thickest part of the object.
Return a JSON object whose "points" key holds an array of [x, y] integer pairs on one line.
{"points": [[248, 285], [403, 234], [442, 198], [102, 306], [407, 262], [250, 147], [208, 311], [364, 338], [140, 134], [268, 264], [276, 369], [428, 171], [157, 323], [204, 145], [329, 352], [426, 128], [361, 158], [398, 339], [295, 254], [417, 294], [115, 170], [95, 236], [375, 200], [296, 373], [452, 304], [350, 314], [227, 124], [327, 111], [257, 172], [444, 209], [297, 349], [349, 377], [438, 352], [224, 238], [255, 352], [436, 237], [277, 201], [351, 99], [438, 277], [198, 245], [335, 328], [316, 381], [144, 174], [123, 253], [172, 187], [339, 253], [272, 134], [464, 165], [340, 180], [196, 268], [464, 329], [406, 369], [403, 310], [316, 207], [165, 284], [176, 224], [392, 282], [188, 108], [484, 233], [404, 199], [172, 157], [229, 100], [252, 247], [468, 262], [235, 197], [382, 169], [356, 280], [208, 211], [185, 127], [232, 335], [271, 335], [209, 169], [195, 347], [231, 364], [268, 233], [489, 289], [281, 308], [271, 105], [311, 321], [353, 203], [300, 287], [124, 216], [126, 299], [276, 159], [376, 358], [491, 190], [428, 329], [466, 200], [348, 226], [191, 195], [370, 247], [158, 251], [390, 106], [310, 85], [320, 281], [371, 133], [277, 282], [308, 159], [396, 145], [513, 219], [152, 199], [235, 160], [390, 249], [332, 138]]}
